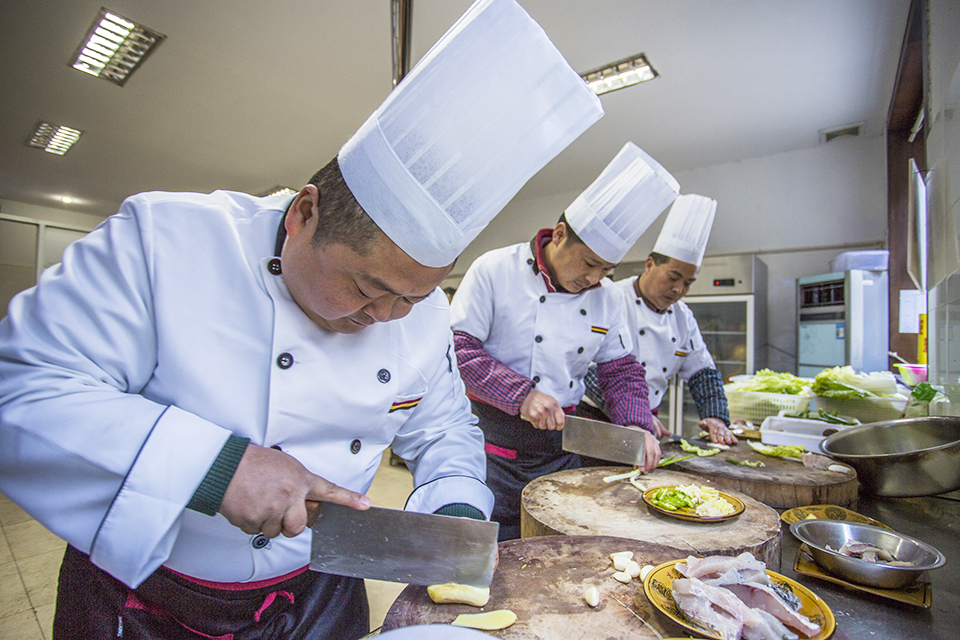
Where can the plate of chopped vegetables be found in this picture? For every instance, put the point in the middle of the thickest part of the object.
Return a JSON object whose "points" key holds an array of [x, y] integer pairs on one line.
{"points": [[693, 503]]}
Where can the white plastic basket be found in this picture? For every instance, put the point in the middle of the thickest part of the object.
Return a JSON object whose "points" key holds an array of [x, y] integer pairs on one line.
{"points": [[755, 406]]}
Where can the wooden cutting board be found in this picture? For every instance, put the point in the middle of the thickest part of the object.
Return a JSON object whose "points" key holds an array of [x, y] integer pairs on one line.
{"points": [[542, 580], [782, 484], [579, 502]]}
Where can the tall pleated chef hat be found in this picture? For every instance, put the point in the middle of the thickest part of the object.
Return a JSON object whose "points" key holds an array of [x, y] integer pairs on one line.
{"points": [[614, 211], [687, 227], [488, 106]]}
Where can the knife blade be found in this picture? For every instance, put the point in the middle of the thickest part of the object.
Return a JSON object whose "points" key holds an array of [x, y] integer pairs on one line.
{"points": [[603, 440], [403, 546]]}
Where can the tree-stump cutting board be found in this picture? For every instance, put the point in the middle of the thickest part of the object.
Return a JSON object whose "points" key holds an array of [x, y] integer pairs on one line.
{"points": [[782, 484], [542, 580], [579, 502]]}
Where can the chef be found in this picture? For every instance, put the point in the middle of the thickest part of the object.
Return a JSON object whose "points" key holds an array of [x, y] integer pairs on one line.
{"points": [[528, 319], [202, 370], [665, 334]]}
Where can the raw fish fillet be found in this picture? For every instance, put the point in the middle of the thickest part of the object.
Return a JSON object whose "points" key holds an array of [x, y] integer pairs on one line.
{"points": [[770, 629], [699, 610], [718, 597], [756, 576], [713, 566], [763, 597]]}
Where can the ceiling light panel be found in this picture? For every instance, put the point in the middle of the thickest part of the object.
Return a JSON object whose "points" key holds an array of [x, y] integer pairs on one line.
{"points": [[115, 47], [53, 138], [620, 74]]}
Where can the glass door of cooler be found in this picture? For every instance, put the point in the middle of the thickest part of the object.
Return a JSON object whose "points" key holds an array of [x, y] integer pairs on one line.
{"points": [[727, 324]]}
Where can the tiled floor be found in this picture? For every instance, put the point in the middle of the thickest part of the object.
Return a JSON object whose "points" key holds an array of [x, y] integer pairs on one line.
{"points": [[30, 560]]}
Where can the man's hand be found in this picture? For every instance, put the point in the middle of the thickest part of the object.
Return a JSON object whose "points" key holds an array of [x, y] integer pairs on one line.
{"points": [[543, 411], [651, 451], [661, 430], [272, 493], [719, 432]]}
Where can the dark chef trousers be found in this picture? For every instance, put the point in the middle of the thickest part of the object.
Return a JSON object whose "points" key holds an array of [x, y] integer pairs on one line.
{"points": [[516, 454], [93, 605]]}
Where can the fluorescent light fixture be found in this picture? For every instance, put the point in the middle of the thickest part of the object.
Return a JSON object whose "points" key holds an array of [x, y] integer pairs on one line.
{"points": [[276, 191], [620, 74], [115, 47], [53, 138]]}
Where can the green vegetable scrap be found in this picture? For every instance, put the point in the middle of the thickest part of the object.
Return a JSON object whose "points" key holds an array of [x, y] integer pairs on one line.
{"points": [[746, 463], [923, 392], [703, 453], [786, 451], [833, 418], [668, 461]]}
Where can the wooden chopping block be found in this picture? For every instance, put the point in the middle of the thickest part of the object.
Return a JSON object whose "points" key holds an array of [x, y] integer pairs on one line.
{"points": [[782, 484], [542, 580], [579, 502]]}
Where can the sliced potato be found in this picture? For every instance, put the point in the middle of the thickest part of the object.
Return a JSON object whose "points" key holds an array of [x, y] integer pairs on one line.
{"points": [[489, 621], [453, 593]]}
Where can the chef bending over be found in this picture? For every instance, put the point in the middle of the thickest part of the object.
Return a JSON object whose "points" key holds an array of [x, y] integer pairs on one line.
{"points": [[201, 371], [528, 319], [665, 334]]}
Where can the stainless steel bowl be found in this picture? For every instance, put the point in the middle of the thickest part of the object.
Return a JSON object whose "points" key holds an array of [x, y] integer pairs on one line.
{"points": [[818, 534], [902, 458]]}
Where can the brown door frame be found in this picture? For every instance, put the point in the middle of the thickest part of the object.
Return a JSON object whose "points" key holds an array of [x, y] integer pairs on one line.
{"points": [[909, 97]]}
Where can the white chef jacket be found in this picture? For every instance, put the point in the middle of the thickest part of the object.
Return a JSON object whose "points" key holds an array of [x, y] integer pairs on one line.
{"points": [[125, 370], [549, 337], [666, 344]]}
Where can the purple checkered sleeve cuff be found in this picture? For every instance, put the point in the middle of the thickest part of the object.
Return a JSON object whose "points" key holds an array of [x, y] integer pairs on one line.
{"points": [[706, 387], [625, 393], [486, 378]]}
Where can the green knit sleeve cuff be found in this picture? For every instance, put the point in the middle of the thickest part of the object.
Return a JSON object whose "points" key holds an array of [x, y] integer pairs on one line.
{"points": [[209, 494], [460, 510]]}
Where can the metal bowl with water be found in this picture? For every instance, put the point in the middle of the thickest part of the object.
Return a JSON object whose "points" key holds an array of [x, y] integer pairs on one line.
{"points": [[819, 534], [901, 458]]}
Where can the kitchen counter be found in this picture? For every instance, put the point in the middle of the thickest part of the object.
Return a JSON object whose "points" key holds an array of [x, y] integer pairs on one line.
{"points": [[863, 616]]}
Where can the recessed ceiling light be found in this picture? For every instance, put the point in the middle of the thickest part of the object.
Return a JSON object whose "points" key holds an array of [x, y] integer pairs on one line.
{"points": [[53, 138], [115, 47], [66, 199], [276, 191], [620, 74]]}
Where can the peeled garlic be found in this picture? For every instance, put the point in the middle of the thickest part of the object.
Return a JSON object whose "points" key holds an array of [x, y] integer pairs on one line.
{"points": [[633, 569], [645, 572], [622, 576], [591, 596]]}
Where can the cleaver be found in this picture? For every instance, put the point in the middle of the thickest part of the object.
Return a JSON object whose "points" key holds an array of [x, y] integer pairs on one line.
{"points": [[403, 546], [603, 440]]}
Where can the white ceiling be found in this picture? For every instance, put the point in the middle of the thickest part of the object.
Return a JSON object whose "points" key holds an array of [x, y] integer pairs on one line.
{"points": [[246, 94]]}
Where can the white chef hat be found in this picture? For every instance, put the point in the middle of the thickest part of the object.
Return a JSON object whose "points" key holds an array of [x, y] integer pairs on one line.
{"points": [[686, 229], [488, 106], [614, 211]]}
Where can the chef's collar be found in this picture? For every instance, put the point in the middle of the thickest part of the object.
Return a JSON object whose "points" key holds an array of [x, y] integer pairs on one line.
{"points": [[636, 289], [282, 230], [537, 246]]}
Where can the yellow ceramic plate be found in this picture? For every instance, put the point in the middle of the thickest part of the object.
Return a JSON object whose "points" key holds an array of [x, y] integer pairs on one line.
{"points": [[659, 590], [918, 594], [827, 512], [689, 514]]}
